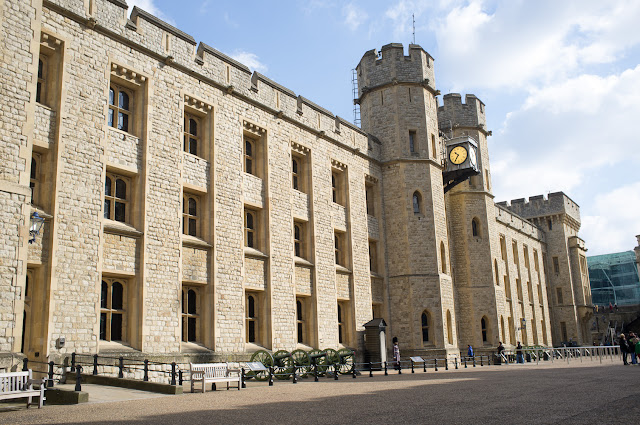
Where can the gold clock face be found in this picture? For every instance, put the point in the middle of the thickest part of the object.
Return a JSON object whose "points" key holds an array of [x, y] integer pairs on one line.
{"points": [[458, 155]]}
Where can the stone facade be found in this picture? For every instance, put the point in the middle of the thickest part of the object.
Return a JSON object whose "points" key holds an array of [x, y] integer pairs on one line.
{"points": [[176, 221]]}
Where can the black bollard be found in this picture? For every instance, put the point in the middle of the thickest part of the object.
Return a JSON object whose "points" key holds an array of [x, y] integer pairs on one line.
{"points": [[370, 370], [173, 373], [120, 367], [488, 361], [412, 368], [180, 377], [295, 374], [315, 370], [353, 370], [146, 370], [385, 369], [50, 380], [399, 368], [335, 371], [474, 361], [25, 364], [95, 364], [73, 361], [481, 362], [456, 362], [446, 364], [435, 363], [271, 376], [424, 365], [78, 378], [243, 384]]}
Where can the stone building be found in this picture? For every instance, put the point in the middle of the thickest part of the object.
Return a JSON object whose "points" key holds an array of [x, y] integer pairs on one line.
{"points": [[192, 207]]}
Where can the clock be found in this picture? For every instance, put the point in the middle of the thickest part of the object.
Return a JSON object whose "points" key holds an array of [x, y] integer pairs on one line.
{"points": [[458, 155], [472, 157]]}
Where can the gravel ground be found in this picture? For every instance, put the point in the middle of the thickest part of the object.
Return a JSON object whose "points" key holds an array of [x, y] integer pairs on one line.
{"points": [[580, 393]]}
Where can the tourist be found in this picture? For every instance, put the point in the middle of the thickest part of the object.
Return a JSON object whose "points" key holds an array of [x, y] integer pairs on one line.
{"points": [[396, 352], [519, 356], [632, 343], [470, 351], [624, 348], [637, 349]]}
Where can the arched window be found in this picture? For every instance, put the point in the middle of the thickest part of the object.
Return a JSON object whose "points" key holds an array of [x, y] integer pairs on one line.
{"points": [[334, 188], [294, 173], [340, 325], [443, 258], [189, 314], [33, 179], [475, 227], [495, 266], [300, 321], [119, 108], [249, 158], [297, 236], [111, 310], [190, 215], [417, 201], [250, 229], [251, 319], [425, 327], [115, 202], [449, 328], [191, 135], [483, 326]]}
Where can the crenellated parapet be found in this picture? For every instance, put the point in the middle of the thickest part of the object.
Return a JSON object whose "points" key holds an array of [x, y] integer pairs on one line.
{"points": [[390, 66], [453, 113], [537, 207]]}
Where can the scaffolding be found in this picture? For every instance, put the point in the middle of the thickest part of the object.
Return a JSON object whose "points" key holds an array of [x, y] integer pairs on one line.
{"points": [[356, 104], [614, 279]]}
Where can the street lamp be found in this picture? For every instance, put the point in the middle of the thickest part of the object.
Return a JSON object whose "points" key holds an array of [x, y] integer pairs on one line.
{"points": [[36, 224]]}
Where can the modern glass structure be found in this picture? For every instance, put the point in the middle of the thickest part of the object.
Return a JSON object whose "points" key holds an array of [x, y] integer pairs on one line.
{"points": [[614, 279]]}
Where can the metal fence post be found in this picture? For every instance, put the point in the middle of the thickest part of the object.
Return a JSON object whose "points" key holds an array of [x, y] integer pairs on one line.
{"points": [[399, 367], [50, 380], [78, 378], [385, 369], [353, 370], [335, 371], [95, 364], [455, 361], [146, 370], [173, 373], [412, 368], [473, 359], [465, 362], [243, 384], [25, 364], [424, 364], [120, 367], [73, 361], [435, 363], [271, 376], [315, 370], [295, 373], [446, 363], [481, 361], [180, 377], [370, 370]]}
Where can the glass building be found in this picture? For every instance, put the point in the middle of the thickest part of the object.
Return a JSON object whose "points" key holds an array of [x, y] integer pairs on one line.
{"points": [[614, 279]]}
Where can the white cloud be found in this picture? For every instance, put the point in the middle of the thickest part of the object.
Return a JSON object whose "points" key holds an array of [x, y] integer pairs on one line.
{"points": [[354, 16], [204, 7], [613, 221], [249, 59], [149, 6]]}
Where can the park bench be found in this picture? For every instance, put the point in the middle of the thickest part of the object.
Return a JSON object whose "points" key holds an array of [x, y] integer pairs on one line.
{"points": [[213, 373], [20, 384]]}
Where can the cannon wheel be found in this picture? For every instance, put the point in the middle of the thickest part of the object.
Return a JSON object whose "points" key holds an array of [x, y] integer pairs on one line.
{"points": [[266, 359], [346, 361], [332, 358], [303, 361], [320, 361], [283, 364]]}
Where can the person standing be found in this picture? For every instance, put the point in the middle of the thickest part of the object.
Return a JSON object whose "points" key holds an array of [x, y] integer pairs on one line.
{"points": [[624, 349], [632, 343], [519, 356], [396, 353]]}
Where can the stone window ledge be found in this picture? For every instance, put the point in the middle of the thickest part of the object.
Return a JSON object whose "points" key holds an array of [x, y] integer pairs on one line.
{"points": [[302, 262], [194, 241], [343, 270], [376, 275], [252, 252], [118, 228]]}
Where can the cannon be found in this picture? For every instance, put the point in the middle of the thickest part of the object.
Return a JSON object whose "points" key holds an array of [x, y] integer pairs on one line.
{"points": [[345, 364], [302, 360], [318, 362], [266, 359], [283, 364]]}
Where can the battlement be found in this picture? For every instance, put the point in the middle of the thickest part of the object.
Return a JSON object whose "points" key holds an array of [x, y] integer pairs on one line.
{"points": [[556, 203], [391, 66], [454, 113]]}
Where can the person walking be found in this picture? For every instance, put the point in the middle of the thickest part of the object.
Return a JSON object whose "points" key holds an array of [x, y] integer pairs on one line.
{"points": [[470, 351], [624, 349], [519, 356], [396, 353], [638, 349], [632, 343]]}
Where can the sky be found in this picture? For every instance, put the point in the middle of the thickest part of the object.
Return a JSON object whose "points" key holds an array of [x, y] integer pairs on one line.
{"points": [[560, 81]]}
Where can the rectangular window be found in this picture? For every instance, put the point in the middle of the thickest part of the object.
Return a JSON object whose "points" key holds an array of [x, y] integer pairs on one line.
{"points": [[373, 256], [413, 148], [300, 239], [339, 248], [34, 178], [253, 312], [563, 331], [503, 248], [250, 156], [338, 187], [301, 323], [190, 220], [370, 198], [559, 296], [112, 310], [41, 88], [434, 153], [342, 324], [515, 252], [556, 265], [190, 314], [526, 256], [299, 172], [116, 190]]}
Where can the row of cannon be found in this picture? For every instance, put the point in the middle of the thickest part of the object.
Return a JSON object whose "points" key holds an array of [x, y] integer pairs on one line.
{"points": [[303, 363]]}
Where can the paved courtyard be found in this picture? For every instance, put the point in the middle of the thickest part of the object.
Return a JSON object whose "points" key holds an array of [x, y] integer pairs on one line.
{"points": [[526, 394]]}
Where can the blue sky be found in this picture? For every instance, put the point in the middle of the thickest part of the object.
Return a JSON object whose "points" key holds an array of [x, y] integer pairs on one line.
{"points": [[561, 81]]}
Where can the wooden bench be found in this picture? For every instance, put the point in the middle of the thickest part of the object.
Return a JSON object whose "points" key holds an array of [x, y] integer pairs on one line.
{"points": [[212, 373], [20, 384]]}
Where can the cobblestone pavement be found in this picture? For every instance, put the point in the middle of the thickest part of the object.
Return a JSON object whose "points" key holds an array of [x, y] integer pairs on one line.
{"points": [[531, 394]]}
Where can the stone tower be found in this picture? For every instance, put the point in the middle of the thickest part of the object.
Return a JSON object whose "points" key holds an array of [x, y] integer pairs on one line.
{"points": [[472, 225], [397, 96]]}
